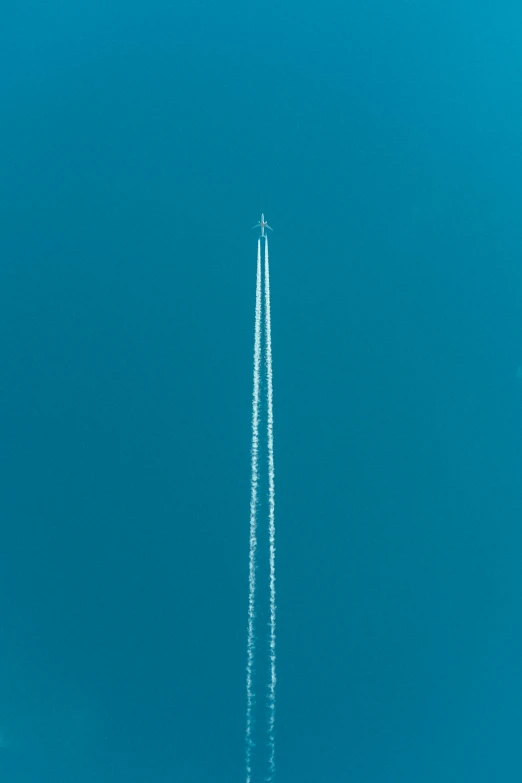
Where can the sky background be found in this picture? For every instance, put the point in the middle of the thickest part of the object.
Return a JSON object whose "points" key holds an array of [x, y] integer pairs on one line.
{"points": [[139, 144]]}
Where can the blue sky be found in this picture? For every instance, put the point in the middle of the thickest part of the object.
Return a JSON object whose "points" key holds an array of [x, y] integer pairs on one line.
{"points": [[140, 143]]}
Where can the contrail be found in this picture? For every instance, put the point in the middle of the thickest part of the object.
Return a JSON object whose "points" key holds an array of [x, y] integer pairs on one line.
{"points": [[271, 523], [251, 642]]}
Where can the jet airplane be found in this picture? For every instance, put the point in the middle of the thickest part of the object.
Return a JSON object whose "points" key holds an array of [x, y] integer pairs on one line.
{"points": [[262, 225]]}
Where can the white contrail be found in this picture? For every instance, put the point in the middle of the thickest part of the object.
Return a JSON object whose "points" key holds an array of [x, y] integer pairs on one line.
{"points": [[251, 642], [271, 523]]}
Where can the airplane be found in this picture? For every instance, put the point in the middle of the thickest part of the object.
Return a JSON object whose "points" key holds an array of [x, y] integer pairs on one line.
{"points": [[262, 225]]}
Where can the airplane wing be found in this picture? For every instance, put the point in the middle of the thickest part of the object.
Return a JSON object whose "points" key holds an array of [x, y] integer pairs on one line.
{"points": [[267, 226], [256, 225]]}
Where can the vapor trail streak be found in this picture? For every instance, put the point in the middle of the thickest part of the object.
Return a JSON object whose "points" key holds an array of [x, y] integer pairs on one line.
{"points": [[251, 642], [271, 523]]}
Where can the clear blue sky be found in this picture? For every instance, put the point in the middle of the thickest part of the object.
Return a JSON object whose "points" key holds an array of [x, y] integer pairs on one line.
{"points": [[139, 144]]}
